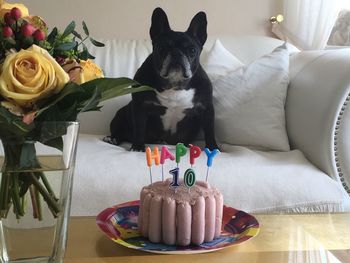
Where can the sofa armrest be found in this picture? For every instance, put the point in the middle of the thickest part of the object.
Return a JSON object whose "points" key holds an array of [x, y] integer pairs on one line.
{"points": [[317, 110]]}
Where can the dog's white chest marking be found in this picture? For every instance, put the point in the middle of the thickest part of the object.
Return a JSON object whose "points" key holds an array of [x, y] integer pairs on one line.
{"points": [[176, 101]]}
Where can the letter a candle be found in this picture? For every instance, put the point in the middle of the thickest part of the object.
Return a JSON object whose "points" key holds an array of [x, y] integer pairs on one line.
{"points": [[165, 154]]}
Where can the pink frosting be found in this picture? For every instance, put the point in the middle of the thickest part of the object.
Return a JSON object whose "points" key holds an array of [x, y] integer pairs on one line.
{"points": [[198, 221], [155, 226], [169, 221], [183, 217], [218, 217]]}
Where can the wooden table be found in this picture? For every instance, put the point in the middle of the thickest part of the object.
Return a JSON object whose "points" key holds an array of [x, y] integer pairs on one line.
{"points": [[283, 238]]}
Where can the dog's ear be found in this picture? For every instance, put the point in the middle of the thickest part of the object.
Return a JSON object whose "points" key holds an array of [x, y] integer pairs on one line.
{"points": [[198, 27], [160, 23]]}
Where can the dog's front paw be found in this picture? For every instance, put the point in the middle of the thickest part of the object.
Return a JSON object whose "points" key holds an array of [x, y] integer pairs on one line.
{"points": [[137, 147], [109, 139]]}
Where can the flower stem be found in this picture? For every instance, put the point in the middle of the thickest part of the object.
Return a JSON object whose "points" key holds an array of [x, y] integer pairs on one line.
{"points": [[82, 41], [38, 200], [4, 194], [47, 197], [34, 202], [15, 195], [23, 203], [47, 185]]}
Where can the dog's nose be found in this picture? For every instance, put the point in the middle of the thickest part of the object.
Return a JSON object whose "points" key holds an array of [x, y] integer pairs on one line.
{"points": [[187, 75]]}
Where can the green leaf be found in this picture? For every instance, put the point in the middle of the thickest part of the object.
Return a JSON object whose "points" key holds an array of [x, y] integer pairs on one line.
{"points": [[93, 102], [67, 46], [86, 30], [90, 56], [84, 55], [51, 37], [51, 132], [114, 87], [96, 43], [56, 143], [69, 29], [59, 112], [10, 40], [28, 41], [28, 156], [12, 125], [69, 89], [76, 34], [98, 108]]}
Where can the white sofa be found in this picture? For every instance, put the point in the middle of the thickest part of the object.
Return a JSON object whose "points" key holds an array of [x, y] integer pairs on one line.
{"points": [[313, 177]]}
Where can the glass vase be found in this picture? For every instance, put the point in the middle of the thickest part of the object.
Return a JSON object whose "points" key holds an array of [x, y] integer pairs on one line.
{"points": [[35, 193]]}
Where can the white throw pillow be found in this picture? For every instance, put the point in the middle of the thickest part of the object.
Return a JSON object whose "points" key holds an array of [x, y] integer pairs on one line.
{"points": [[249, 103], [219, 60]]}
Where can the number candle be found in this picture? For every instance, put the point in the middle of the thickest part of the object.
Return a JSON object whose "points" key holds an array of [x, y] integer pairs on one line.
{"points": [[181, 150], [210, 156], [189, 178], [175, 173], [149, 157], [165, 154]]}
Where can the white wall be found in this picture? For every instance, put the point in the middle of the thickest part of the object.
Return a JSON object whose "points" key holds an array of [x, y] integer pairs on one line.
{"points": [[131, 18]]}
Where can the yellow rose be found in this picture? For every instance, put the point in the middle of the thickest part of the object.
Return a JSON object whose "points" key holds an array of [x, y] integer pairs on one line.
{"points": [[90, 70], [30, 75], [6, 7]]}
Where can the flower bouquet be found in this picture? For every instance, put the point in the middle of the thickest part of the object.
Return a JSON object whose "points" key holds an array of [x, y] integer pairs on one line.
{"points": [[46, 79]]}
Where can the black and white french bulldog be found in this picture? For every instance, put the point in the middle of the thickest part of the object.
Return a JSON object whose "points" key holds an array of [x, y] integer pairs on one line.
{"points": [[181, 103]]}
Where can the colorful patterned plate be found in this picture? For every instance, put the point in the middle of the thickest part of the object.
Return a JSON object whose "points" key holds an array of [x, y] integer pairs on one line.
{"points": [[119, 223]]}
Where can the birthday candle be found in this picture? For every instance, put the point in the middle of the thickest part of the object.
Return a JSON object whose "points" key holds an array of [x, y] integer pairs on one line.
{"points": [[181, 150], [189, 178], [195, 152], [149, 157], [165, 154], [175, 173], [210, 156]]}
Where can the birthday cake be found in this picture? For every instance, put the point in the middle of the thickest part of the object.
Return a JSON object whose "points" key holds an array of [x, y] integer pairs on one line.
{"points": [[180, 212], [183, 217]]}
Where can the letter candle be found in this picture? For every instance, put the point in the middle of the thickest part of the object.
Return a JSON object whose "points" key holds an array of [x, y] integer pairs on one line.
{"points": [[190, 175], [181, 150], [210, 156], [149, 157], [195, 152], [165, 154]]}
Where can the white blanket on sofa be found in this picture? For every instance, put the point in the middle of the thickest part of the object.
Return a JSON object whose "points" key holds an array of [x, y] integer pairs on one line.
{"points": [[106, 175]]}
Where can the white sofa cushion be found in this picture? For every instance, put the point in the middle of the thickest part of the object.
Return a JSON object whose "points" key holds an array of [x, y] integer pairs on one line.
{"points": [[277, 182], [249, 102], [218, 60]]}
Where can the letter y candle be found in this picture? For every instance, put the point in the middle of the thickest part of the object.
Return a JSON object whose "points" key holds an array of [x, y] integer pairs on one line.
{"points": [[210, 156]]}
